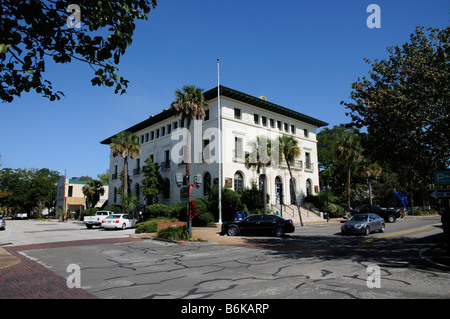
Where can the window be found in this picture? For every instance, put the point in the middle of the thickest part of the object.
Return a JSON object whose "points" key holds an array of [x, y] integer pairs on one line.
{"points": [[293, 129], [279, 125], [163, 131], [256, 118], [238, 148], [286, 127], [157, 133], [166, 188], [237, 113], [264, 120], [206, 115], [272, 123], [169, 128], [175, 125], [308, 164], [70, 191], [142, 139], [238, 182], [152, 135], [306, 133], [146, 137], [206, 184]]}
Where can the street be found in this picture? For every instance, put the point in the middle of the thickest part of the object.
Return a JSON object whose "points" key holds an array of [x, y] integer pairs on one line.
{"points": [[314, 262]]}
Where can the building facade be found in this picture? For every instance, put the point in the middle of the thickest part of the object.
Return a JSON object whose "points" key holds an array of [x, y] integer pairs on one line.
{"points": [[243, 118], [70, 198]]}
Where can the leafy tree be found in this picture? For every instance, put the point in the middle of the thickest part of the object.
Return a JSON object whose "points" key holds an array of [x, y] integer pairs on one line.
{"points": [[288, 147], [152, 183], [32, 32], [104, 177], [260, 157], [370, 171], [28, 189], [231, 202], [190, 104], [92, 191], [404, 104], [253, 197], [347, 149], [125, 144]]}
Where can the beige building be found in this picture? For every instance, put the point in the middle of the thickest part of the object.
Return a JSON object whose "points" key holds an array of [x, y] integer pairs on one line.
{"points": [[70, 198]]}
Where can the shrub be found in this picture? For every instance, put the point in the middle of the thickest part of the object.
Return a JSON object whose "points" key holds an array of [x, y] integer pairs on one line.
{"points": [[89, 212], [178, 211], [156, 210], [150, 226], [114, 209], [174, 233], [422, 212]]}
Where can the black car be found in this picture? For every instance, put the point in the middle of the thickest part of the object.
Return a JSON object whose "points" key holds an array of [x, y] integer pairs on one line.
{"points": [[259, 224]]}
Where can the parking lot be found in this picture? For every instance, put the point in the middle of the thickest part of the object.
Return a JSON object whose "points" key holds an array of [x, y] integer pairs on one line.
{"points": [[314, 262]]}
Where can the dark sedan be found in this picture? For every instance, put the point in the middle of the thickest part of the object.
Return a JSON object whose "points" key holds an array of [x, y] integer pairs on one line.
{"points": [[259, 224]]}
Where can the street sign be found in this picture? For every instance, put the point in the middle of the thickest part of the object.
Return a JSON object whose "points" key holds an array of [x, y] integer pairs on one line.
{"points": [[439, 193], [442, 178]]}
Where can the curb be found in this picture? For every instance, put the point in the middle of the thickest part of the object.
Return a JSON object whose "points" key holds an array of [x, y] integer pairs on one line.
{"points": [[430, 261]]}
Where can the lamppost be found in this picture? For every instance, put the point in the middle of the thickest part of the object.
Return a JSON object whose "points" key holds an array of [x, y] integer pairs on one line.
{"points": [[197, 183]]}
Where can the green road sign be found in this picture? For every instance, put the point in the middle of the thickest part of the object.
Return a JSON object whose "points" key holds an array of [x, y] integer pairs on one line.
{"points": [[442, 178]]}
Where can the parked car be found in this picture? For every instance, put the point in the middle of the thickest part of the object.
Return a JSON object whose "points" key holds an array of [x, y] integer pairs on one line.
{"points": [[121, 221], [258, 224], [20, 216], [389, 215], [363, 224], [2, 223], [97, 219]]}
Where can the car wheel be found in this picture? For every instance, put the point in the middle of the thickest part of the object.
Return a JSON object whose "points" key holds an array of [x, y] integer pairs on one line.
{"points": [[279, 232], [391, 218], [383, 229], [367, 231], [124, 226], [233, 231], [89, 226]]}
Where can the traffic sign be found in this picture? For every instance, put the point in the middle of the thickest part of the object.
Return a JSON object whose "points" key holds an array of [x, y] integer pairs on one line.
{"points": [[439, 193], [442, 178]]}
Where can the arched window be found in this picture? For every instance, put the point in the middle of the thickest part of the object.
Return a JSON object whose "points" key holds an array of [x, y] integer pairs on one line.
{"points": [[292, 186], [278, 190], [238, 182], [308, 187], [206, 183]]}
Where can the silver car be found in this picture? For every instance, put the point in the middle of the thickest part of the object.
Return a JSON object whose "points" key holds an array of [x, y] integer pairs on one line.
{"points": [[363, 224]]}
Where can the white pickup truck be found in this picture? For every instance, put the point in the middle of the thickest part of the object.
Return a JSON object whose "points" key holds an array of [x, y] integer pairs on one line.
{"points": [[96, 220]]}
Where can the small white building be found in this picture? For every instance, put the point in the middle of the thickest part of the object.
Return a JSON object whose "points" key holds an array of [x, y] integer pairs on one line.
{"points": [[243, 118]]}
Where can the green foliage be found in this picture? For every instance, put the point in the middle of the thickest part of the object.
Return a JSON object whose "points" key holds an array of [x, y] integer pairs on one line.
{"points": [[204, 217], [36, 31], [174, 233], [326, 202], [178, 211], [404, 106], [152, 184], [89, 212], [150, 226], [114, 209], [156, 210], [231, 202], [422, 212], [253, 197], [28, 189]]}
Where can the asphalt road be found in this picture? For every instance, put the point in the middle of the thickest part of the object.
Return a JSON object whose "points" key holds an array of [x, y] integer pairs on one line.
{"points": [[314, 262]]}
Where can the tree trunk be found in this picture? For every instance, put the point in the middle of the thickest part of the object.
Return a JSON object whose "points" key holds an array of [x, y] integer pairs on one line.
{"points": [[295, 191]]}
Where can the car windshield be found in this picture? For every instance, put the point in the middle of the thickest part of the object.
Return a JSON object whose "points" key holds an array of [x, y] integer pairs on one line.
{"points": [[359, 218], [113, 217]]}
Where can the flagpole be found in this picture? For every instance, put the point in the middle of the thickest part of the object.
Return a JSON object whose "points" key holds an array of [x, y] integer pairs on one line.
{"points": [[219, 120]]}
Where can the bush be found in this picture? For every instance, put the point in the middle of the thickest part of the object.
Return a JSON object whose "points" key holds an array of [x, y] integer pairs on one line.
{"points": [[156, 210], [89, 212], [114, 209], [178, 211], [174, 233], [422, 212], [150, 226]]}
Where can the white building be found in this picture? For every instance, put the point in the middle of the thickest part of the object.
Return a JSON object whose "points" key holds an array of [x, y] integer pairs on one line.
{"points": [[243, 118]]}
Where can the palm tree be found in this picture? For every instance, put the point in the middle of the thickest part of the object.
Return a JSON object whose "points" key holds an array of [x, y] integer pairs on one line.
{"points": [[125, 144], [347, 149], [191, 104], [93, 190], [288, 147], [260, 158], [369, 172]]}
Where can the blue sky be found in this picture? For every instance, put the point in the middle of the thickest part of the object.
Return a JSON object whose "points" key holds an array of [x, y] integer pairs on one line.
{"points": [[303, 55]]}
